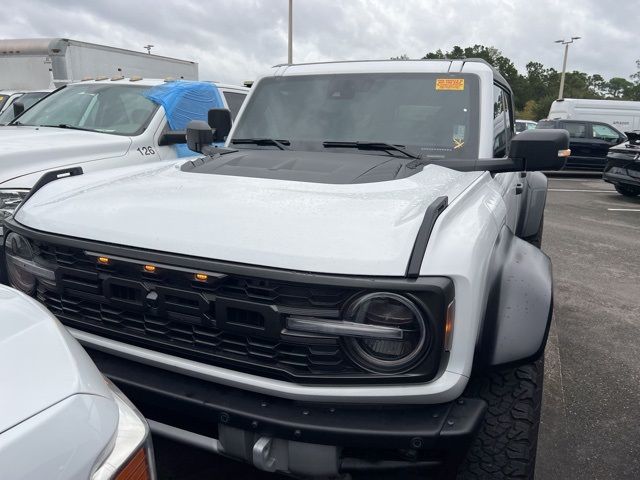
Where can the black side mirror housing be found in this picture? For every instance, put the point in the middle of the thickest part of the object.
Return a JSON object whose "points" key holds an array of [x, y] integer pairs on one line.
{"points": [[172, 137], [539, 149], [220, 122], [18, 108], [199, 135]]}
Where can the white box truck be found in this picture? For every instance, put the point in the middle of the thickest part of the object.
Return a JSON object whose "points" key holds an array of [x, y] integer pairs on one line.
{"points": [[623, 115], [34, 64]]}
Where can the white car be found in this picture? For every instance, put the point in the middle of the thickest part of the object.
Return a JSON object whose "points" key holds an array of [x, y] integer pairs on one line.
{"points": [[523, 125], [59, 417], [355, 283], [26, 98], [103, 123]]}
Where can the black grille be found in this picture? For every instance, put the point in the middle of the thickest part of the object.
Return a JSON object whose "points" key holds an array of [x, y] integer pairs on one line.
{"points": [[228, 320]]}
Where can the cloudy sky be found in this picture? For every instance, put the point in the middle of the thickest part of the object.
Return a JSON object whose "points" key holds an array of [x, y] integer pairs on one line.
{"points": [[236, 40]]}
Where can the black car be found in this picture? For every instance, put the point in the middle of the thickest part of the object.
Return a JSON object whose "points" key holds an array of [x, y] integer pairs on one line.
{"points": [[623, 166], [589, 142]]}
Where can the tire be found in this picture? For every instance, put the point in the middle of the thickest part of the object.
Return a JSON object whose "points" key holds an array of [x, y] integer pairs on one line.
{"points": [[505, 445], [536, 240], [628, 190]]}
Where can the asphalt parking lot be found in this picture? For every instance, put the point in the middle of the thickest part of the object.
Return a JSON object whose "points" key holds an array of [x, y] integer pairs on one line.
{"points": [[591, 405]]}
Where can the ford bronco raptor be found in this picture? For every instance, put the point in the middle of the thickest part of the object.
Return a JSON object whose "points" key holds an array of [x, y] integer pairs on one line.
{"points": [[353, 284]]}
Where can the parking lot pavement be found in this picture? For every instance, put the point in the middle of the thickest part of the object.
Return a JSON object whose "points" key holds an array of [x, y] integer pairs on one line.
{"points": [[591, 409]]}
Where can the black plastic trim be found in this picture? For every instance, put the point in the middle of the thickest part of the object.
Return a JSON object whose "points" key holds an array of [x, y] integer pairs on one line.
{"points": [[435, 284], [49, 177], [420, 246], [199, 406]]}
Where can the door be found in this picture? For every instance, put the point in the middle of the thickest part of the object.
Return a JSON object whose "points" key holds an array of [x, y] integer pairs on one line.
{"points": [[503, 132], [603, 137], [580, 144]]}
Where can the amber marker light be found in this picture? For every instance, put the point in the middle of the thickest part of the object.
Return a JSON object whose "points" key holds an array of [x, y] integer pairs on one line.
{"points": [[202, 277], [448, 326], [150, 268], [104, 260]]}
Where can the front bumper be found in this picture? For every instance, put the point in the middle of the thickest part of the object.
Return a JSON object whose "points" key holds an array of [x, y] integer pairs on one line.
{"points": [[433, 435], [621, 179]]}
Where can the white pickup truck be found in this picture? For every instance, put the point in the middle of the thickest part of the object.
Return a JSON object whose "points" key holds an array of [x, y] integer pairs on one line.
{"points": [[100, 124]]}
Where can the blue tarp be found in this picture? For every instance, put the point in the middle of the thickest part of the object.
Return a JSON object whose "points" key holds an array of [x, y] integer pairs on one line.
{"points": [[184, 101]]}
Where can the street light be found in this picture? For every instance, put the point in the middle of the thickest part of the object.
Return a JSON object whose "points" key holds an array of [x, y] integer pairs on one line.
{"points": [[290, 45], [564, 62], [149, 47]]}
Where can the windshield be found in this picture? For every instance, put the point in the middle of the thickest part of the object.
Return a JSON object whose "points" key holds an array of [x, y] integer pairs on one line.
{"points": [[28, 99], [107, 108], [3, 100], [433, 115]]}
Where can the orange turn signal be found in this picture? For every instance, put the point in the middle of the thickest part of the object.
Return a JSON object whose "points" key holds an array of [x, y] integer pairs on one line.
{"points": [[202, 277], [150, 268], [137, 468], [104, 260]]}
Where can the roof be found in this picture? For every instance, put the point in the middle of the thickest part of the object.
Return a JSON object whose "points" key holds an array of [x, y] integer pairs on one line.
{"points": [[364, 66], [58, 46]]}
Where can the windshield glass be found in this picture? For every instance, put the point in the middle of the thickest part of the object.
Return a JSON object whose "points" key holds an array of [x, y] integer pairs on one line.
{"points": [[28, 99], [3, 100], [107, 108], [434, 115]]}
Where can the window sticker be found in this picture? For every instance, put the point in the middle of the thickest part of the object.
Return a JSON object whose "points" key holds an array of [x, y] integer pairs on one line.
{"points": [[456, 84]]}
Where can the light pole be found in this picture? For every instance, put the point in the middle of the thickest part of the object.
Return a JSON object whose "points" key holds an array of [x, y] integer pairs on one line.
{"points": [[149, 47], [564, 63], [290, 46]]}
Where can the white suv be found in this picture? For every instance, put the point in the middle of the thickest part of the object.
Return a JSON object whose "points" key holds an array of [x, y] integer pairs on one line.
{"points": [[353, 284]]}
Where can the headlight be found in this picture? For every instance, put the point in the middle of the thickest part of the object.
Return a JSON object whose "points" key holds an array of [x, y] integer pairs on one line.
{"points": [[18, 254], [131, 453], [389, 355], [9, 201]]}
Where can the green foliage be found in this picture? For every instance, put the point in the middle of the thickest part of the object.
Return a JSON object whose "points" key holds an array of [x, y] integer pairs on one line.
{"points": [[535, 90]]}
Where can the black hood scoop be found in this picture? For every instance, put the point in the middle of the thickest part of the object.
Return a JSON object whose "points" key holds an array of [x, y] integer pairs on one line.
{"points": [[303, 166]]}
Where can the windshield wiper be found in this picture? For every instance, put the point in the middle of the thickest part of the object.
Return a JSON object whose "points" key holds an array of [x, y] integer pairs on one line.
{"points": [[281, 144], [386, 147], [66, 125]]}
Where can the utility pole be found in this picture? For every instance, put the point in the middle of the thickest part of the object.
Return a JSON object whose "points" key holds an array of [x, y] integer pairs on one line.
{"points": [[564, 63], [290, 47], [149, 47]]}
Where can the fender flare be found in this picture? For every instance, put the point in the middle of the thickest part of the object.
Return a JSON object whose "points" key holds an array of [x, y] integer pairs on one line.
{"points": [[519, 303], [533, 202]]}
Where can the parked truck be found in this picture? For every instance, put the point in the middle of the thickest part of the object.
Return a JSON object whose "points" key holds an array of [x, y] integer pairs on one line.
{"points": [[37, 63]]}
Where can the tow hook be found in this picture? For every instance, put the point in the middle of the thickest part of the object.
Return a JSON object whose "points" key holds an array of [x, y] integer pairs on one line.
{"points": [[262, 457]]}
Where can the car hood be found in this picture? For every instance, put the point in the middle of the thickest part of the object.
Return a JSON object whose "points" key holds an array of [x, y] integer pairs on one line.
{"points": [[25, 150], [40, 363], [358, 229]]}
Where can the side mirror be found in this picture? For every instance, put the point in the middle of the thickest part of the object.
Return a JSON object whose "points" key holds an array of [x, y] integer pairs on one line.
{"points": [[172, 137], [18, 108], [540, 149], [199, 135], [220, 122]]}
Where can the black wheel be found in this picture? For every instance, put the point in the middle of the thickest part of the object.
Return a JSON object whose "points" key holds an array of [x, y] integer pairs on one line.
{"points": [[505, 446], [536, 240], [628, 190]]}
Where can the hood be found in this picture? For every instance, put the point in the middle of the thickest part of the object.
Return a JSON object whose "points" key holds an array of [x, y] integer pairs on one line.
{"points": [[357, 229], [40, 363], [25, 150]]}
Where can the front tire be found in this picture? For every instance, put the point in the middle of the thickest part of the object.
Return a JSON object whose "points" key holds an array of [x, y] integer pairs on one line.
{"points": [[628, 190], [505, 445]]}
